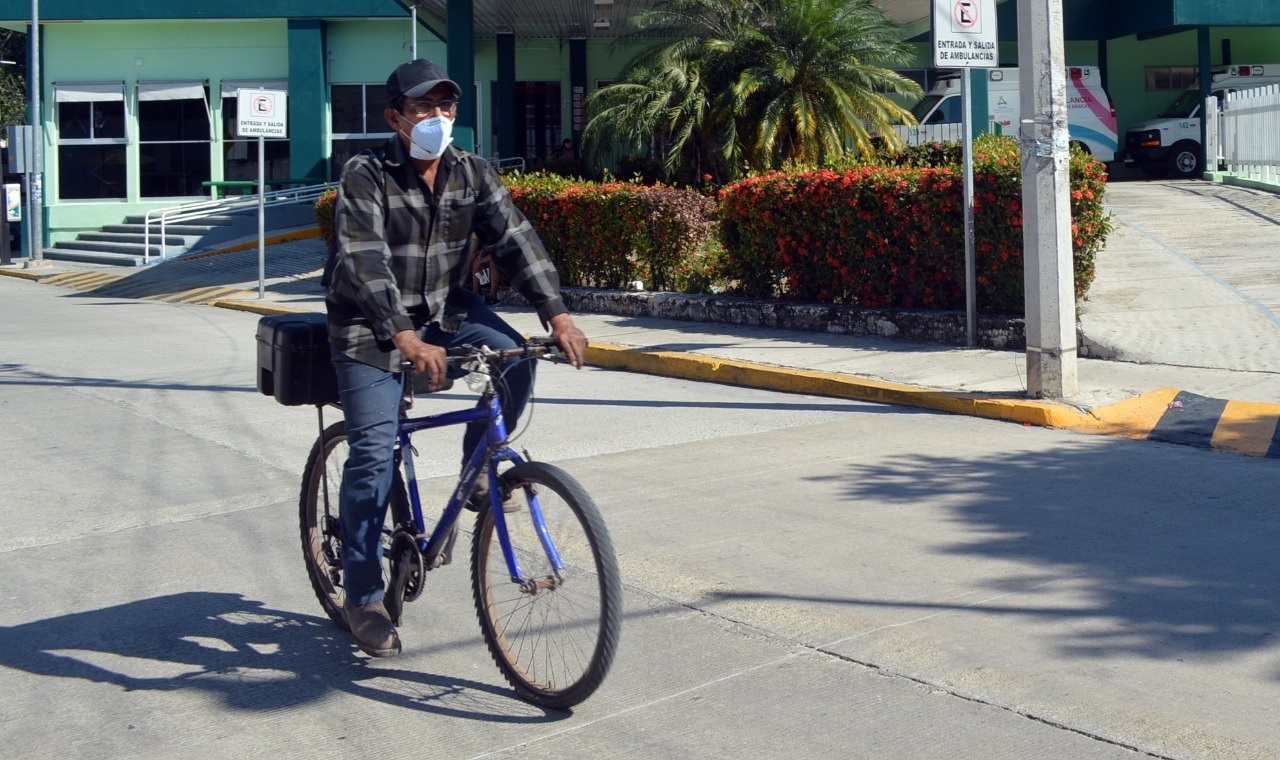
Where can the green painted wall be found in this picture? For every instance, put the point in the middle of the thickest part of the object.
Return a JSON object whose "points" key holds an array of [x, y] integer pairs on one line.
{"points": [[1129, 57], [368, 51], [150, 51]]}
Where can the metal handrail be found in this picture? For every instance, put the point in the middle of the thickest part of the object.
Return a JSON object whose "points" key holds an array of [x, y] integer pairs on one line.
{"points": [[202, 209], [507, 164]]}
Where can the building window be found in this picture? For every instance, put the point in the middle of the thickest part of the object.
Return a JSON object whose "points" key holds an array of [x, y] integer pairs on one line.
{"points": [[240, 154], [1171, 77], [91, 140], [537, 119], [356, 121], [173, 138]]}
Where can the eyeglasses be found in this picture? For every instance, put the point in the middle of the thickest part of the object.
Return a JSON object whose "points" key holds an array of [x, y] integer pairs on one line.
{"points": [[426, 107]]}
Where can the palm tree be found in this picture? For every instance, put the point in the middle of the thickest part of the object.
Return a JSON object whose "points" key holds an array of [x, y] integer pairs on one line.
{"points": [[735, 85]]}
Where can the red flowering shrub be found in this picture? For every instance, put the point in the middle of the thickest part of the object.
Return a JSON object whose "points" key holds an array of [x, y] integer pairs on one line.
{"points": [[893, 236], [325, 212], [610, 234]]}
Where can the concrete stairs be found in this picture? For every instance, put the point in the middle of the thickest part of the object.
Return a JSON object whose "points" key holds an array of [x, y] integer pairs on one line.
{"points": [[123, 244]]}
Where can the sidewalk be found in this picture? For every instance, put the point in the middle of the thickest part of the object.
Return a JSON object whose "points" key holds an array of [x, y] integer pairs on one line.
{"points": [[1191, 323]]}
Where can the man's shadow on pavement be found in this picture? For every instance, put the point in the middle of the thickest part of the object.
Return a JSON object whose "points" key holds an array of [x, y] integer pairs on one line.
{"points": [[254, 657]]}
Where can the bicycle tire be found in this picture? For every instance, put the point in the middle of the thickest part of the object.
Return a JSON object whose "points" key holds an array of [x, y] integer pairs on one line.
{"points": [[555, 646], [321, 537]]}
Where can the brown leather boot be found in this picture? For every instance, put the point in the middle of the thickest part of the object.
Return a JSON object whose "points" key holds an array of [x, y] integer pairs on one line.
{"points": [[371, 626]]}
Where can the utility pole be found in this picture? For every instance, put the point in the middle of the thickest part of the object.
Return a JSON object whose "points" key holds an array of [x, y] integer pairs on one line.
{"points": [[35, 189], [1049, 277]]}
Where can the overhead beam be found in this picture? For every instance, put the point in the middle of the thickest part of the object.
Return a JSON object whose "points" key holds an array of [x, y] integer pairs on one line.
{"points": [[428, 19]]}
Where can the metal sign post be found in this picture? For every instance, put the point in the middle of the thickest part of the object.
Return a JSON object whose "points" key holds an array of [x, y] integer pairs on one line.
{"points": [[965, 37], [262, 114]]}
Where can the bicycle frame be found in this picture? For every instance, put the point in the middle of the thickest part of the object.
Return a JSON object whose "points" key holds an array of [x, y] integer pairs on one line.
{"points": [[482, 462]]}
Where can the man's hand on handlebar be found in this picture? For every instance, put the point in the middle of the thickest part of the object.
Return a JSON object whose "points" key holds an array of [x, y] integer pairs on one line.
{"points": [[424, 356], [572, 341]]}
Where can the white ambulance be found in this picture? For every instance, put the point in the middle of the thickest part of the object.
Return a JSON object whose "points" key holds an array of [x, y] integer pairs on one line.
{"points": [[1090, 117], [1170, 143]]}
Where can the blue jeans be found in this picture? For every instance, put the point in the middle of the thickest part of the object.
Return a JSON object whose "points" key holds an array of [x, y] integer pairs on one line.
{"points": [[371, 405]]}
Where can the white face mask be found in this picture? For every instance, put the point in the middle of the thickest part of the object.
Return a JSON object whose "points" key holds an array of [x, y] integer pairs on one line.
{"points": [[430, 137]]}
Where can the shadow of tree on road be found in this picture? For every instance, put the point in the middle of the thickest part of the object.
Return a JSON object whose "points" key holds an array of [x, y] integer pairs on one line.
{"points": [[1174, 553]]}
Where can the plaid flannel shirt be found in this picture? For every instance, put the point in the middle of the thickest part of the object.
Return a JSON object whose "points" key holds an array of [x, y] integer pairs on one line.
{"points": [[401, 251]]}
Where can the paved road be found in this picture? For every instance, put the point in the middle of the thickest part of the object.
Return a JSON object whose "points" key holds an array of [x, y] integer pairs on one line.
{"points": [[805, 576]]}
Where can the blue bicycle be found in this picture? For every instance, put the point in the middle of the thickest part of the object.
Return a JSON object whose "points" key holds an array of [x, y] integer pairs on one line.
{"points": [[543, 573]]}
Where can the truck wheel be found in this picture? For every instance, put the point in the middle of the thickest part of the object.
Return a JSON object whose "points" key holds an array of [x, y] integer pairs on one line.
{"points": [[1185, 162]]}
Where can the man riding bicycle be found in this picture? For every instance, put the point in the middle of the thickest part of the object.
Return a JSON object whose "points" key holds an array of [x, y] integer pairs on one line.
{"points": [[405, 219]]}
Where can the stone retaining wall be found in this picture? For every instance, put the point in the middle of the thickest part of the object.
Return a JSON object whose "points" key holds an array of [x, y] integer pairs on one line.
{"points": [[947, 327]]}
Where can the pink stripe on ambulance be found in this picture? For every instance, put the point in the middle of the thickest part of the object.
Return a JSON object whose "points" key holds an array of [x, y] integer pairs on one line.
{"points": [[1104, 114]]}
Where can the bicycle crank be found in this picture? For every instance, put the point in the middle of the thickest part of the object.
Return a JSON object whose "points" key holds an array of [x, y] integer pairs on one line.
{"points": [[407, 569]]}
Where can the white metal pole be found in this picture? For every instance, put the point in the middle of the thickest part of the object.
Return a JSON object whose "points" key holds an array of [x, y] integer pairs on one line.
{"points": [[262, 218], [413, 31], [34, 182], [1047, 261], [970, 267]]}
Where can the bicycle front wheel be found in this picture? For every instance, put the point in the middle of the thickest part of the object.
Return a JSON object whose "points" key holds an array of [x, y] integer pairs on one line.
{"points": [[553, 637]]}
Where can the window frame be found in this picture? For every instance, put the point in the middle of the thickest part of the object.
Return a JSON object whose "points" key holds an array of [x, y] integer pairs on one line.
{"points": [[161, 91], [229, 90], [362, 140], [91, 93], [1178, 76]]}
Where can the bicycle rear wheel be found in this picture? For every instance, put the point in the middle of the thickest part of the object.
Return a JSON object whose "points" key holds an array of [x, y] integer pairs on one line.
{"points": [[553, 643], [318, 519]]}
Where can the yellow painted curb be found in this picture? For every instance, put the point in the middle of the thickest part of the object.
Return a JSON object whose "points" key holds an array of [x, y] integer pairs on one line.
{"points": [[766, 377], [284, 237], [24, 274], [1131, 418], [256, 307]]}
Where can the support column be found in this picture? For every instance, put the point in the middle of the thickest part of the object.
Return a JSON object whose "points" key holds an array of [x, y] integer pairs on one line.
{"points": [[979, 102], [1104, 66], [461, 66], [1205, 51], [578, 89], [505, 114], [1047, 260], [308, 92]]}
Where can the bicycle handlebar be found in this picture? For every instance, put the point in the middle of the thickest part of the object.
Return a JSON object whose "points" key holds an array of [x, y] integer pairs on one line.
{"points": [[537, 347], [534, 348]]}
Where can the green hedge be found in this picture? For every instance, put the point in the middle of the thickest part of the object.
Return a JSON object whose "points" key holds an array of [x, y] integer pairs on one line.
{"points": [[892, 235]]}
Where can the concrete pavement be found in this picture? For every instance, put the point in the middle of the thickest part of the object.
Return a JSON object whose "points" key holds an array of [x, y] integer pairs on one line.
{"points": [[1183, 318]]}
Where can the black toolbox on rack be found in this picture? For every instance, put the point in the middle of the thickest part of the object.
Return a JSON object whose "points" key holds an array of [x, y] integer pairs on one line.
{"points": [[294, 365]]}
